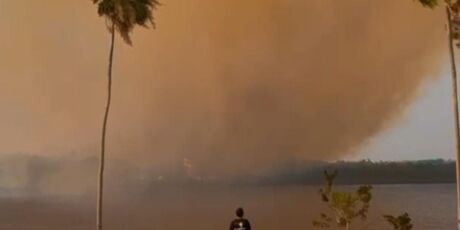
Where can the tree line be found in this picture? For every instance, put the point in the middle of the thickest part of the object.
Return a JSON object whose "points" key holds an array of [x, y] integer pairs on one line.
{"points": [[365, 172]]}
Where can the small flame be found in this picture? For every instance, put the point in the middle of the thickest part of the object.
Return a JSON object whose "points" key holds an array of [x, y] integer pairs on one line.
{"points": [[189, 169]]}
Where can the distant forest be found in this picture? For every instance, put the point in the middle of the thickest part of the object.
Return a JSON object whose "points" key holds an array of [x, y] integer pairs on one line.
{"points": [[364, 172], [35, 174]]}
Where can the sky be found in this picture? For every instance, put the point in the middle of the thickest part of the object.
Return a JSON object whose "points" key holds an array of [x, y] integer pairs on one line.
{"points": [[228, 87], [425, 130]]}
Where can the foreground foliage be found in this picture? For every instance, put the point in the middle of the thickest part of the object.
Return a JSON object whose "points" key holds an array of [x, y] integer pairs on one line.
{"points": [[348, 207]]}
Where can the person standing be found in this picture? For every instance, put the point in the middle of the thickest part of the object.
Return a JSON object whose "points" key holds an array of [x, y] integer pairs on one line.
{"points": [[240, 223]]}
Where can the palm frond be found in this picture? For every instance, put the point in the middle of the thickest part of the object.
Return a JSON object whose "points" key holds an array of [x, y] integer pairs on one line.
{"points": [[124, 15], [429, 3]]}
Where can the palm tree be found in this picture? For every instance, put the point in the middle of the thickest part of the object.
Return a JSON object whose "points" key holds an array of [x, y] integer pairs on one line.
{"points": [[452, 13], [121, 16]]}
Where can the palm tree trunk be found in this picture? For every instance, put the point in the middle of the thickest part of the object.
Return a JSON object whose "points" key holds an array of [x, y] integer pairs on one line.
{"points": [[456, 110], [104, 129]]}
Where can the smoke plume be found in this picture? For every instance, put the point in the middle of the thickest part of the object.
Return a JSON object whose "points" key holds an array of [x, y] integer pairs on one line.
{"points": [[233, 86]]}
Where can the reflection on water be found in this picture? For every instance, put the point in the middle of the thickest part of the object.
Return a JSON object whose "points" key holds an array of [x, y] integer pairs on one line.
{"points": [[211, 208]]}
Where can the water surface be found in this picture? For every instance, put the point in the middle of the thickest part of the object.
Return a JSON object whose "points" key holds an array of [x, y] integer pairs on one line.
{"points": [[210, 208]]}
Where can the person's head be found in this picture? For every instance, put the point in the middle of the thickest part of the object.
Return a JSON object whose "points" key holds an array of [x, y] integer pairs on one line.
{"points": [[240, 212]]}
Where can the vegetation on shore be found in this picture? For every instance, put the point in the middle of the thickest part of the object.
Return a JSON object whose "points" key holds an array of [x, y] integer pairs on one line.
{"points": [[31, 171], [436, 171]]}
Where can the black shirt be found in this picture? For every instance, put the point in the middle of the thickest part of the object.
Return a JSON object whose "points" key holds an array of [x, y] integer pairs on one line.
{"points": [[240, 224]]}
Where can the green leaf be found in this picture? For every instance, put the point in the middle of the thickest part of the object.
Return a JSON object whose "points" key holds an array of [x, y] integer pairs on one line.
{"points": [[402, 222]]}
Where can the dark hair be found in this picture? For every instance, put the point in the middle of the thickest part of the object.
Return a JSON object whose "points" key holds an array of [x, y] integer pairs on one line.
{"points": [[240, 212]]}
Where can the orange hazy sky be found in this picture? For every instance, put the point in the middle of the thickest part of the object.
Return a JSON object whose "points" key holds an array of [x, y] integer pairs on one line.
{"points": [[228, 84]]}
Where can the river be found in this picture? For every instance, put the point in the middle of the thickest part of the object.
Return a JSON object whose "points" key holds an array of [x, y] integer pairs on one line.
{"points": [[211, 208]]}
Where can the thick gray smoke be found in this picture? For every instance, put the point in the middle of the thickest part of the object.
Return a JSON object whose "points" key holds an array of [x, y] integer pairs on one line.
{"points": [[231, 86]]}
